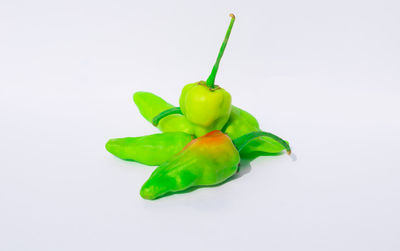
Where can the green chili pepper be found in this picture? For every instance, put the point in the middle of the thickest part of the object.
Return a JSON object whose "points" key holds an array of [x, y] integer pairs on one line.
{"points": [[241, 122], [247, 138], [150, 105], [225, 134], [206, 105], [152, 150], [207, 160]]}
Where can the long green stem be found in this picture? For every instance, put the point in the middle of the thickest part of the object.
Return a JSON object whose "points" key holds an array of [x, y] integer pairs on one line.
{"points": [[161, 115], [242, 141], [211, 78]]}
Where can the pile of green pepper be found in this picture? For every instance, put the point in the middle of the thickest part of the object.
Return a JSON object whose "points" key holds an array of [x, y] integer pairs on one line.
{"points": [[202, 140]]}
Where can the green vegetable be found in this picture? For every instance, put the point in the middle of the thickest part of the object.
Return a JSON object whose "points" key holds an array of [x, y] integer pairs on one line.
{"points": [[206, 109], [225, 134], [151, 105], [152, 150], [207, 160], [240, 123], [246, 139], [206, 105]]}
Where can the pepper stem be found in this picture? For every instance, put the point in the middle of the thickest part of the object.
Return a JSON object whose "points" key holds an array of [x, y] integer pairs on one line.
{"points": [[242, 141], [211, 78], [161, 115]]}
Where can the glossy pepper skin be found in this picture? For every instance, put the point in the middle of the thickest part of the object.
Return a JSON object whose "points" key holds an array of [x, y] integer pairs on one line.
{"points": [[206, 105], [185, 162], [240, 123], [207, 109], [207, 160], [150, 105], [152, 150]]}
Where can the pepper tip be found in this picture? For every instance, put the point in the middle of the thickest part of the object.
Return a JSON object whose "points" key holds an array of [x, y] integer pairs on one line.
{"points": [[232, 15]]}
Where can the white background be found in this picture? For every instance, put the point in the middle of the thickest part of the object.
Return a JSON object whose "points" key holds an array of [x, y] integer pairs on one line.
{"points": [[322, 74]]}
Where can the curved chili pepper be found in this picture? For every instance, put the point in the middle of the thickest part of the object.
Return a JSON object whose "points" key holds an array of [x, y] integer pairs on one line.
{"points": [[152, 150], [151, 105], [207, 160], [240, 123], [225, 134], [244, 140]]}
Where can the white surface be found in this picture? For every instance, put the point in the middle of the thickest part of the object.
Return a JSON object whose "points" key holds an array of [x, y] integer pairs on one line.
{"points": [[322, 74]]}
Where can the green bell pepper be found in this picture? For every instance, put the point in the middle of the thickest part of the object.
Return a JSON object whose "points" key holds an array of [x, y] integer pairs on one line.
{"points": [[207, 106]]}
